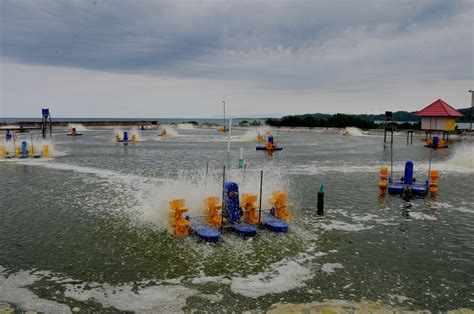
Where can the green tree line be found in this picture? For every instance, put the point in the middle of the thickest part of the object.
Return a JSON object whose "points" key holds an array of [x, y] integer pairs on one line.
{"points": [[338, 120]]}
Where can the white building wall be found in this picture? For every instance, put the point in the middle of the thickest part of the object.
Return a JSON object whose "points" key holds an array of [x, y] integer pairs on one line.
{"points": [[433, 123]]}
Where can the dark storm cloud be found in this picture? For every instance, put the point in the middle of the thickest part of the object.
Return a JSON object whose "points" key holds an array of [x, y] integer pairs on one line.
{"points": [[243, 39]]}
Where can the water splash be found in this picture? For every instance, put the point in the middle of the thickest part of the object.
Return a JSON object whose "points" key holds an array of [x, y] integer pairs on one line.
{"points": [[354, 131], [463, 157], [194, 188], [131, 131], [170, 132], [37, 143], [185, 126], [79, 127]]}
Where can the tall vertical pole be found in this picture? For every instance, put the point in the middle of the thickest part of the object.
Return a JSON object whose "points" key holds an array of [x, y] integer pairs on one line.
{"points": [[223, 121], [260, 205], [472, 105], [207, 172], [228, 143], [391, 161], [429, 165], [223, 199]]}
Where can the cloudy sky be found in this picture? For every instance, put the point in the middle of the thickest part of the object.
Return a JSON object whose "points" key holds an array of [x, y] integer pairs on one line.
{"points": [[105, 58]]}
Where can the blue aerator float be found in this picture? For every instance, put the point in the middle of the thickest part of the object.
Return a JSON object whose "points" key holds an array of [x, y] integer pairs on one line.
{"points": [[125, 140], [435, 143], [408, 183], [419, 189], [74, 133], [270, 145], [239, 215]]}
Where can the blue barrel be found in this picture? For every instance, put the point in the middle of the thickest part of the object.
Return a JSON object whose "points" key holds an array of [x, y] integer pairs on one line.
{"points": [[435, 141], [270, 139], [24, 148], [125, 136], [232, 203], [8, 136], [408, 172]]}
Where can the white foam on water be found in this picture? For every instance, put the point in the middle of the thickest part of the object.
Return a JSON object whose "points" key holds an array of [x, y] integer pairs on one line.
{"points": [[355, 131], [463, 157], [421, 216], [330, 267], [170, 132], [441, 205], [13, 289], [367, 218], [163, 298], [344, 226], [203, 279], [79, 127], [102, 173], [249, 136], [279, 277], [465, 210], [152, 299], [185, 126], [421, 168]]}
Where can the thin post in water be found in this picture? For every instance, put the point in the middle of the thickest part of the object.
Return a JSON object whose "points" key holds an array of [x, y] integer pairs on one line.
{"points": [[223, 198], [260, 206], [205, 180]]}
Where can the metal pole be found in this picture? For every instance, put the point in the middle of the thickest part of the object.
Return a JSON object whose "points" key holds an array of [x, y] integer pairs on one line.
{"points": [[391, 161], [223, 102], [207, 172], [260, 206], [223, 198], [14, 144], [228, 143], [429, 165], [472, 105]]}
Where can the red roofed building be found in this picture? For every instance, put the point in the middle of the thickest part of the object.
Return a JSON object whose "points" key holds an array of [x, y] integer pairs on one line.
{"points": [[439, 116]]}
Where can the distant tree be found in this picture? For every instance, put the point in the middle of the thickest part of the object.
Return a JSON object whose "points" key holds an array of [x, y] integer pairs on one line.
{"points": [[244, 123], [255, 123]]}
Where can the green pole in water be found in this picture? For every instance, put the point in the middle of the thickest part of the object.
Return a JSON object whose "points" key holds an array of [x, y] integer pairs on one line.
{"points": [[241, 160], [321, 201]]}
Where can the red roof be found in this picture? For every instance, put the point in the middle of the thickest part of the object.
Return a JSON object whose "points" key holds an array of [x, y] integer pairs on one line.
{"points": [[439, 109]]}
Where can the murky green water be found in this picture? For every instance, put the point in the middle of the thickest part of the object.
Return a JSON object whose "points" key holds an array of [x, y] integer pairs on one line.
{"points": [[87, 228]]}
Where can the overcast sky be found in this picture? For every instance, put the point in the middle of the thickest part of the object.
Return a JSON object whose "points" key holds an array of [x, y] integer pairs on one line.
{"points": [[107, 58]]}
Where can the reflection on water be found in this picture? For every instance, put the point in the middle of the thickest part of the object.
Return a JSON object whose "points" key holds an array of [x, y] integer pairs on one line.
{"points": [[88, 228]]}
